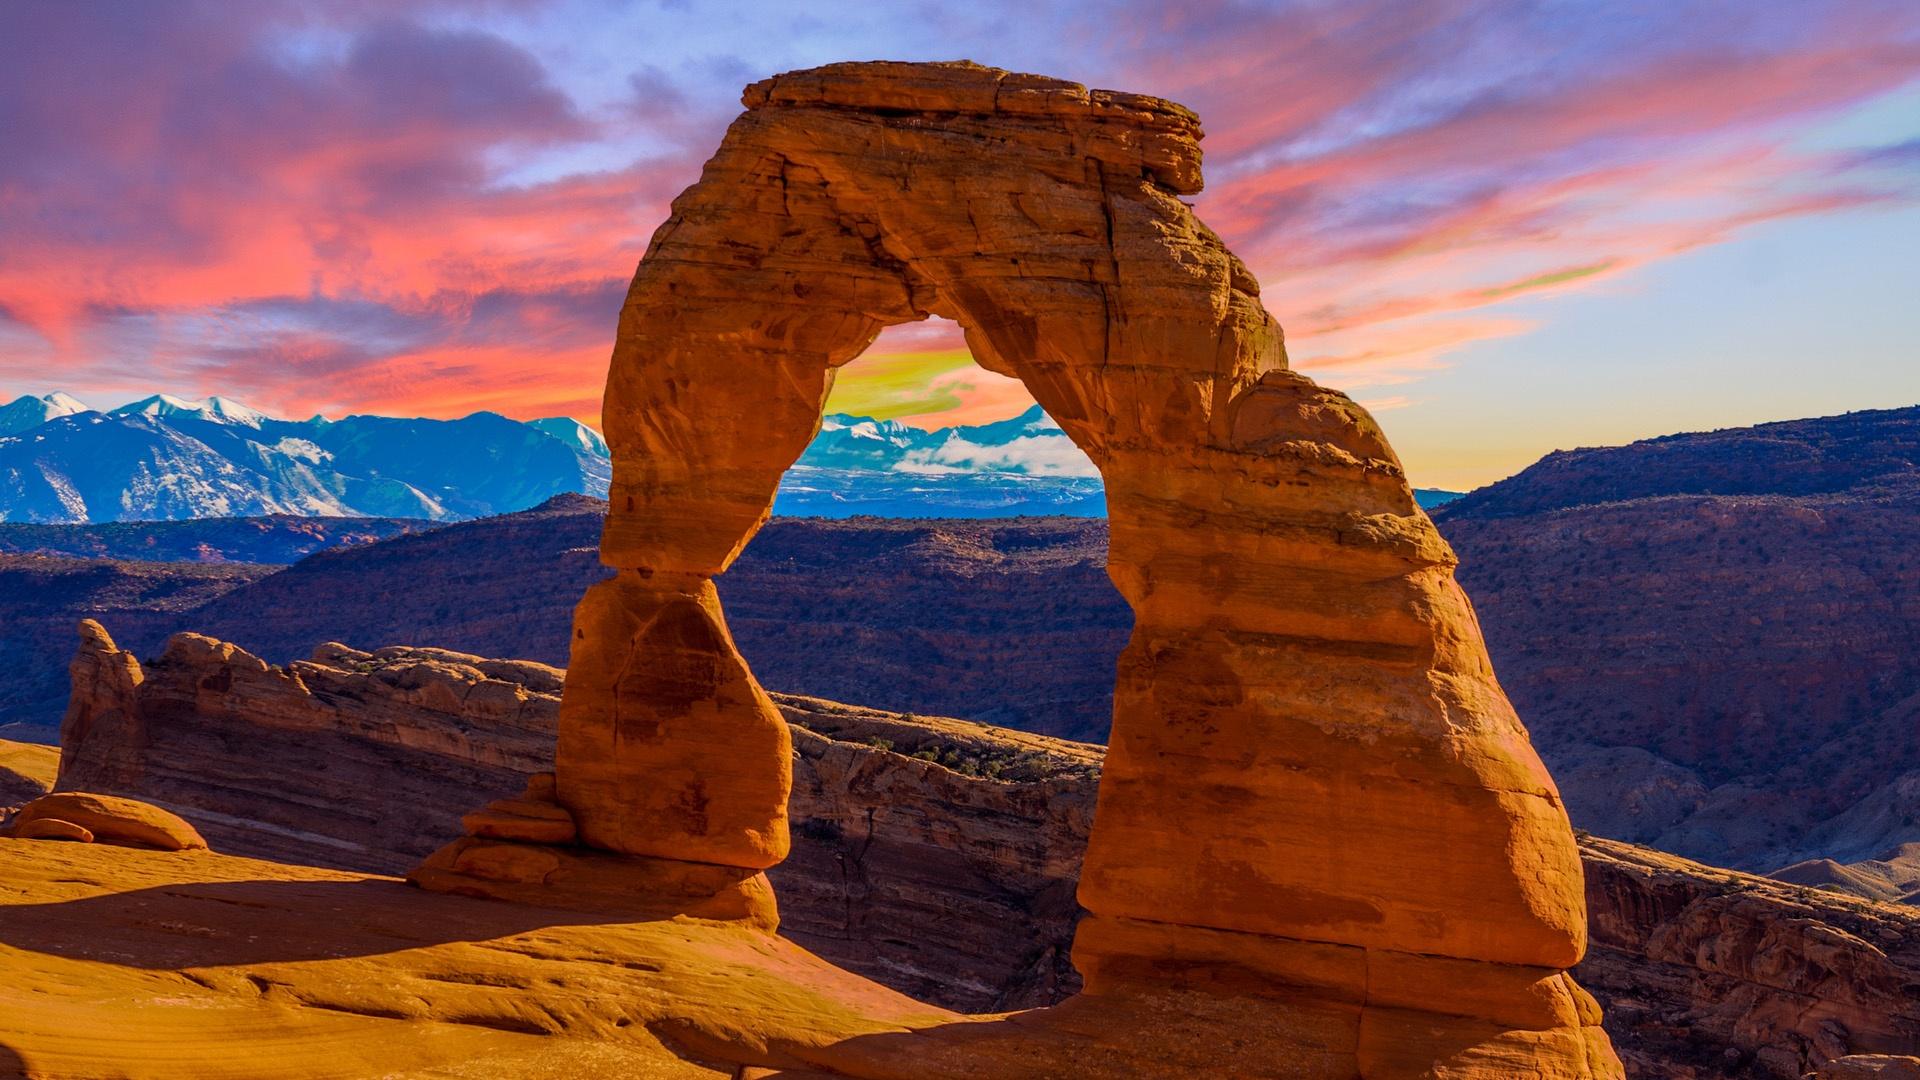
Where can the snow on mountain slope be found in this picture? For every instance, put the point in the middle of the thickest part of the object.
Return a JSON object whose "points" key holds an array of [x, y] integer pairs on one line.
{"points": [[214, 409], [169, 458], [31, 412], [575, 434]]}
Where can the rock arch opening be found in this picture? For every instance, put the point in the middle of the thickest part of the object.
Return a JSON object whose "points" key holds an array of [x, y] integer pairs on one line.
{"points": [[914, 427], [1320, 825], [959, 475]]}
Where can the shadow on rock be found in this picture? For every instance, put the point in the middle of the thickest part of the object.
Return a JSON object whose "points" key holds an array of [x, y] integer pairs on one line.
{"points": [[205, 924]]}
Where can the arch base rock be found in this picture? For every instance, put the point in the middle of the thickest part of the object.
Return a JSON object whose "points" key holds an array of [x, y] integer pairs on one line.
{"points": [[1324, 845]]}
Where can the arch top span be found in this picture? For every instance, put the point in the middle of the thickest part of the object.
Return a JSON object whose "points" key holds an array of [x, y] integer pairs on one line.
{"points": [[1042, 217], [1317, 802]]}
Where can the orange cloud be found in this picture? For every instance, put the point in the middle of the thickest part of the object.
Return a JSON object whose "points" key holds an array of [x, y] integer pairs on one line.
{"points": [[188, 205]]}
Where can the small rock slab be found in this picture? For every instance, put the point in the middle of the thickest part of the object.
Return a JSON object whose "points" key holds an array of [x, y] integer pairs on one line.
{"points": [[1869, 1067], [52, 828], [110, 819], [602, 882]]}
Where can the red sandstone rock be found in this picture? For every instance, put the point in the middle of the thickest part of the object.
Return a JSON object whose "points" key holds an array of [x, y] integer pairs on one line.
{"points": [[51, 828], [113, 820], [533, 817], [1710, 973], [1306, 720], [926, 874], [661, 693], [607, 883]]}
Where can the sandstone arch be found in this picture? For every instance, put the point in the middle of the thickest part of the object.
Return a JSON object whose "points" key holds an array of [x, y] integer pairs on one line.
{"points": [[1315, 792]]}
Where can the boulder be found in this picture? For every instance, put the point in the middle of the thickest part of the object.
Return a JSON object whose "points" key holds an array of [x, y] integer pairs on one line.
{"points": [[113, 820], [52, 828]]}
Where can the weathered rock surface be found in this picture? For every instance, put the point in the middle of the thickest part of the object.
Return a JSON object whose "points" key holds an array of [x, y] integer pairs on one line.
{"points": [[906, 869], [1305, 717], [200, 966], [50, 828], [939, 857], [110, 819], [297, 746], [27, 771], [1710, 973]]}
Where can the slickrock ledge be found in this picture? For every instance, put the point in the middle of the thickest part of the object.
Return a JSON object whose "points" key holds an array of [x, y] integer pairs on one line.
{"points": [[938, 856]]}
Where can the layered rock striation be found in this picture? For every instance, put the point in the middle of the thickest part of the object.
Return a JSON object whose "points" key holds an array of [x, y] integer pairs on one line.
{"points": [[939, 857], [1712, 637], [948, 875], [1710, 973], [1305, 717]]}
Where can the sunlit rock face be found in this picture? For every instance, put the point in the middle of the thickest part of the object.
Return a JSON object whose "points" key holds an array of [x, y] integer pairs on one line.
{"points": [[1320, 822]]}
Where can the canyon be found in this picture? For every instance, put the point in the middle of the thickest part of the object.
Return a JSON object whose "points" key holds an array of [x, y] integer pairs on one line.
{"points": [[1716, 662], [1318, 843], [935, 856], [1305, 714]]}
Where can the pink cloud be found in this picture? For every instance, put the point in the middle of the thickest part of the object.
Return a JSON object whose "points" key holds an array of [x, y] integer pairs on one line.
{"points": [[190, 203]]}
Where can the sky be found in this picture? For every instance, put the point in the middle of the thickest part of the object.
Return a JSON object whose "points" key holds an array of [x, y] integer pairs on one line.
{"points": [[1506, 227]]}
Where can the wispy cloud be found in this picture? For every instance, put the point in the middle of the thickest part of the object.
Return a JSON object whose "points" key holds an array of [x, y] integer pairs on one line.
{"points": [[339, 209]]}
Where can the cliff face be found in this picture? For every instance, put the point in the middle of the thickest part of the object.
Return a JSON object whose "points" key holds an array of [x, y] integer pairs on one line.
{"points": [[364, 761], [1708, 973], [936, 856], [1713, 636]]}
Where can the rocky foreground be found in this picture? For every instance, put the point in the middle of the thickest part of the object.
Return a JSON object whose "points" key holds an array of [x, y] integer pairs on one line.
{"points": [[936, 857]]}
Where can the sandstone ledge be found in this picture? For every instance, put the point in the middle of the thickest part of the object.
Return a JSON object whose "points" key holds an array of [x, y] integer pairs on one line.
{"points": [[912, 866], [216, 967]]}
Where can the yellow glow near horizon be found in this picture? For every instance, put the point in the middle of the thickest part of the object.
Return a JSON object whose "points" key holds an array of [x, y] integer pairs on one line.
{"points": [[927, 388]]}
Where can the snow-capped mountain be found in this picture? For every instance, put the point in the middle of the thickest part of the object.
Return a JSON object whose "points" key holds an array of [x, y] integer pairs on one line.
{"points": [[574, 433], [215, 409], [1030, 444], [1022, 465], [169, 458], [859, 465], [31, 412]]}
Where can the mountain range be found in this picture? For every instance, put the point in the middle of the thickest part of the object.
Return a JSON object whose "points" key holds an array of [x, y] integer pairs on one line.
{"points": [[168, 458], [165, 458], [1017, 467], [1711, 637]]}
